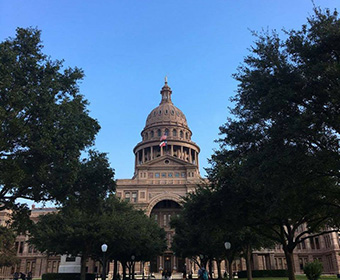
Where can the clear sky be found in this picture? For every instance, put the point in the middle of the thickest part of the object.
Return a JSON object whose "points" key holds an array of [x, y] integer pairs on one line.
{"points": [[126, 47]]}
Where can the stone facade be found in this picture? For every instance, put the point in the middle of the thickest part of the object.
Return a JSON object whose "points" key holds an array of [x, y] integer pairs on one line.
{"points": [[30, 259]]}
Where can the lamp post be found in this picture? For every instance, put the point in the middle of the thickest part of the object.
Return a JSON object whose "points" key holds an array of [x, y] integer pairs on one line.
{"points": [[104, 249], [227, 246]]}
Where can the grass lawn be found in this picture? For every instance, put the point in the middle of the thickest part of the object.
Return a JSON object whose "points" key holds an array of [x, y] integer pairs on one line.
{"points": [[298, 277]]}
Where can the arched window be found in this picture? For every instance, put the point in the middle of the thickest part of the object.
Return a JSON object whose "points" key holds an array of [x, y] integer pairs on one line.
{"points": [[174, 132], [187, 135], [159, 133], [152, 134], [166, 132], [146, 136], [181, 134]]}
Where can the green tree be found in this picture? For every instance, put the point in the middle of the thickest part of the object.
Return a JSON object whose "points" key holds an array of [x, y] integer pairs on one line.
{"points": [[125, 230], [44, 122], [129, 232], [206, 223], [76, 228], [279, 156], [7, 249], [199, 233]]}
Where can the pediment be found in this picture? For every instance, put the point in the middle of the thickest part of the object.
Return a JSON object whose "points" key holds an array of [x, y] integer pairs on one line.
{"points": [[167, 160]]}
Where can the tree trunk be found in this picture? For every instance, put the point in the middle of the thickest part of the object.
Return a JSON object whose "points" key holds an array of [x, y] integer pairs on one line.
{"points": [[248, 263], [219, 273], [124, 270], [210, 268], [290, 264], [133, 270], [115, 270], [83, 267]]}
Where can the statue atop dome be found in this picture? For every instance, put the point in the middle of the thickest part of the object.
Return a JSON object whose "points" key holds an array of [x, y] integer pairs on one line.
{"points": [[166, 92]]}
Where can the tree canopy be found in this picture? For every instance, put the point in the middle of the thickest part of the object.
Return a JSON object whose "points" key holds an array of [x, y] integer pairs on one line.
{"points": [[44, 119], [125, 230], [79, 222], [7, 249], [278, 161]]}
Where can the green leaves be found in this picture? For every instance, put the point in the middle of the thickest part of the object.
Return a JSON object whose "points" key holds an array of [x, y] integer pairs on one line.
{"points": [[278, 166], [44, 122], [7, 249]]}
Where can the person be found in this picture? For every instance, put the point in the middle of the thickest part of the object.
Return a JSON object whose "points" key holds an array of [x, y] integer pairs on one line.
{"points": [[29, 275], [202, 274], [22, 276], [190, 275], [168, 275], [16, 276]]}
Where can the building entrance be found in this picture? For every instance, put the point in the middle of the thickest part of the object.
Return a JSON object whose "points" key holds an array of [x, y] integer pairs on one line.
{"points": [[167, 263], [162, 213]]}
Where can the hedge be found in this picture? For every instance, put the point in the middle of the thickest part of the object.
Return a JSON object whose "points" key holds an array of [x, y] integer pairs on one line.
{"points": [[264, 273], [66, 276]]}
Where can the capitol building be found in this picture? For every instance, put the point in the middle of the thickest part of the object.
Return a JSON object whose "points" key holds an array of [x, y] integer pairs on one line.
{"points": [[166, 170]]}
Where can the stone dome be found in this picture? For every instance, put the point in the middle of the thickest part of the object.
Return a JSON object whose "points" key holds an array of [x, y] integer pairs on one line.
{"points": [[166, 113]]}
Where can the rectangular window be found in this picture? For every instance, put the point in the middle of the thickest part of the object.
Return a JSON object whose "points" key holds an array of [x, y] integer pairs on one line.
{"points": [[150, 175], [183, 174], [312, 243], [134, 197], [330, 262], [142, 195], [163, 175], [157, 175], [317, 245], [127, 196], [16, 246], [284, 263], [28, 267], [170, 175], [176, 174], [164, 220], [21, 248]]}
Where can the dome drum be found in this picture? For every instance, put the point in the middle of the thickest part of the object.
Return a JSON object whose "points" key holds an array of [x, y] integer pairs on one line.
{"points": [[172, 132], [186, 152]]}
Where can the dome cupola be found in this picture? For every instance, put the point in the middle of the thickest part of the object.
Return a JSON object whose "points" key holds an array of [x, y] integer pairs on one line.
{"points": [[166, 135], [166, 112]]}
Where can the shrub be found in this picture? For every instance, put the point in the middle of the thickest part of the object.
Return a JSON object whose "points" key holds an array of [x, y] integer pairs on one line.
{"points": [[313, 270], [66, 276], [264, 273]]}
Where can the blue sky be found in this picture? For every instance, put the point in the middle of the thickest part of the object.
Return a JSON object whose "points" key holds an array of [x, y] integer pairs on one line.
{"points": [[126, 48]]}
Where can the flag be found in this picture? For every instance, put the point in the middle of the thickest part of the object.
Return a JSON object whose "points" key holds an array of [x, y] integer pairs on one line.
{"points": [[163, 144], [164, 137]]}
